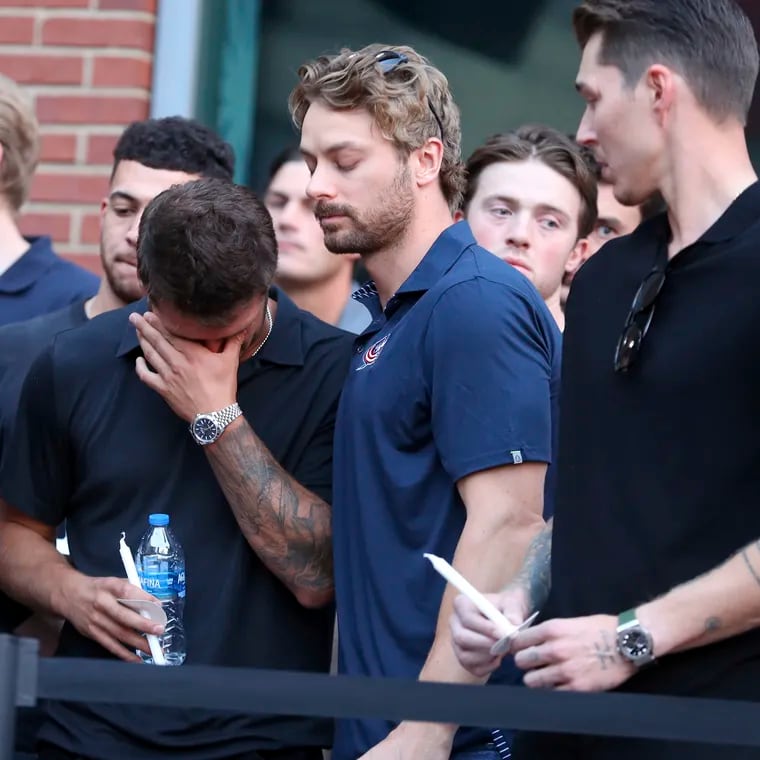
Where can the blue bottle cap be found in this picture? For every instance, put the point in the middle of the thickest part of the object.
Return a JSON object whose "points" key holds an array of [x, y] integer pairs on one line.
{"points": [[158, 519]]}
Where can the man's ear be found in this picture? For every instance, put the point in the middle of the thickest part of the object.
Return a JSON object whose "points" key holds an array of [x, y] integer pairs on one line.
{"points": [[581, 251], [426, 162], [458, 215]]}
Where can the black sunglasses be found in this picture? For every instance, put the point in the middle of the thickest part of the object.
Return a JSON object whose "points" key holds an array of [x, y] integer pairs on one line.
{"points": [[387, 60], [639, 319]]}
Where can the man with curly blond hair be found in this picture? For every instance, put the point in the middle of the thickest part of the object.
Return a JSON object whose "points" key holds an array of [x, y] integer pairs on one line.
{"points": [[447, 419]]}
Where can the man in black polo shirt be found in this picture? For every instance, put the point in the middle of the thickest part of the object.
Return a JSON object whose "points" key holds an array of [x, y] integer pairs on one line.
{"points": [[150, 157], [656, 558], [96, 445]]}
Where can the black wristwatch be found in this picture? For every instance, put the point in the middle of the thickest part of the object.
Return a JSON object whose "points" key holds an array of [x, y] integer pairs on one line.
{"points": [[634, 642]]}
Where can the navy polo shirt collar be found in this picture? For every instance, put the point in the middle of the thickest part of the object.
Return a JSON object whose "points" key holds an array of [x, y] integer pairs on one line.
{"points": [[443, 254], [285, 344], [22, 274]]}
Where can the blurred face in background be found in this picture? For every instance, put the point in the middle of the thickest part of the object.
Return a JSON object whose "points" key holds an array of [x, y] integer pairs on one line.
{"points": [[132, 188], [303, 258], [614, 220]]}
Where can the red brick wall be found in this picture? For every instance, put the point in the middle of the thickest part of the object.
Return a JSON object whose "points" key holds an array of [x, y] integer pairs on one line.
{"points": [[87, 65]]}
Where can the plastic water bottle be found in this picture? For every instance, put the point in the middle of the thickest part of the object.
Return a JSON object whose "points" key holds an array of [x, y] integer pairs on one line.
{"points": [[160, 564]]}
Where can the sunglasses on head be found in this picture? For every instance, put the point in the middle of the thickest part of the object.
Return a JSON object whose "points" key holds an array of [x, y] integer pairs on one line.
{"points": [[388, 60]]}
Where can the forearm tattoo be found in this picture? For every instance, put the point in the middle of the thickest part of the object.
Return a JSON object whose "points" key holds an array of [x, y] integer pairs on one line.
{"points": [[752, 569], [287, 526], [535, 574]]}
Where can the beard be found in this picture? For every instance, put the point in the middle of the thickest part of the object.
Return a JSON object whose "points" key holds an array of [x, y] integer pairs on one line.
{"points": [[377, 229], [127, 289]]}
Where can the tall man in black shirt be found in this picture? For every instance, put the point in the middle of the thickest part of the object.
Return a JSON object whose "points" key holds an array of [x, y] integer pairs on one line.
{"points": [[247, 487], [655, 547]]}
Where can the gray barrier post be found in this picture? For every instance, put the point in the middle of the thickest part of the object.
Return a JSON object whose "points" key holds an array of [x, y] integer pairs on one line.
{"points": [[18, 686]]}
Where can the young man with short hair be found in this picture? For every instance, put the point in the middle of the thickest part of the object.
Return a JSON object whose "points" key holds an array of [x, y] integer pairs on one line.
{"points": [[213, 401], [655, 558], [33, 279], [318, 281], [531, 201], [446, 419]]}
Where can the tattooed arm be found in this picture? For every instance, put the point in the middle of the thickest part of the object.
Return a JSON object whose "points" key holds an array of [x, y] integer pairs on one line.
{"points": [[723, 602], [581, 653], [534, 577], [285, 524], [473, 635]]}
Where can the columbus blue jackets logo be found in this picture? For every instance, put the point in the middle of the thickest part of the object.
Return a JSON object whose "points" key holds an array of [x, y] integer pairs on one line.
{"points": [[371, 354]]}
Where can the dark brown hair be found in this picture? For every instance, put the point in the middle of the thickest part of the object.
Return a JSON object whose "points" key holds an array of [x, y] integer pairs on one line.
{"points": [[206, 247], [710, 43], [540, 143]]}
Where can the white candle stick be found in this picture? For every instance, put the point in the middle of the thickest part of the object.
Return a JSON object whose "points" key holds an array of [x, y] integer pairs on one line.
{"points": [[466, 588], [506, 628], [129, 566]]}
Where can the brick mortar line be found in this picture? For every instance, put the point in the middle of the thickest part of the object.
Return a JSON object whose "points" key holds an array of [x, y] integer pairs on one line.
{"points": [[46, 14], [37, 31], [52, 207], [75, 230], [65, 170], [87, 130], [80, 151], [73, 91], [86, 248], [75, 50], [88, 69]]}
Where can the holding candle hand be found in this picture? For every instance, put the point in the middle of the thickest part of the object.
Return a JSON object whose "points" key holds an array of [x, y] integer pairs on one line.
{"points": [[474, 635], [91, 605]]}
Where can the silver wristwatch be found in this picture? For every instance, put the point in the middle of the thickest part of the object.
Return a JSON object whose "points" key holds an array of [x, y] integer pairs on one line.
{"points": [[206, 428], [634, 642]]}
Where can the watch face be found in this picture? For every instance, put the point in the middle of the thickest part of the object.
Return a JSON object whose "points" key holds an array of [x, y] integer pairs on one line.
{"points": [[205, 430], [635, 644]]}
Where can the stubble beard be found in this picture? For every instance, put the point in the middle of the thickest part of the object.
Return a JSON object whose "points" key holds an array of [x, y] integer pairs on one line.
{"points": [[380, 228]]}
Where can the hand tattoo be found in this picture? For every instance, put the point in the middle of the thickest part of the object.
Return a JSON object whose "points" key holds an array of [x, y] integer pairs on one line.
{"points": [[605, 651], [712, 624]]}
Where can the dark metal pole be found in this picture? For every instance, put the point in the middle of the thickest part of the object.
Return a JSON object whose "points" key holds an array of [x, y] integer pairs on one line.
{"points": [[9, 665]]}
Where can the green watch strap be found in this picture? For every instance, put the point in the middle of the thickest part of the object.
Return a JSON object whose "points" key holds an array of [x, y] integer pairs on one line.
{"points": [[629, 616]]}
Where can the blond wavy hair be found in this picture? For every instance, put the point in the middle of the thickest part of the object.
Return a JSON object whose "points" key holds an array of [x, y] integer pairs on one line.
{"points": [[403, 102], [19, 137]]}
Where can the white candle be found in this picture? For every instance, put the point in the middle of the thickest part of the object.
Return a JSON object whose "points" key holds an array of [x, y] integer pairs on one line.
{"points": [[465, 587], [456, 579], [132, 576]]}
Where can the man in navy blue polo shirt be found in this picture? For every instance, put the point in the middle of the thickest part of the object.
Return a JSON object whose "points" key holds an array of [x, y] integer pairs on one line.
{"points": [[33, 279], [447, 418]]}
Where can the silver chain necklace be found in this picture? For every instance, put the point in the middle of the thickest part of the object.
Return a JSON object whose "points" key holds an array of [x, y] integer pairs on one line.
{"points": [[269, 332]]}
